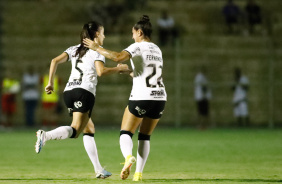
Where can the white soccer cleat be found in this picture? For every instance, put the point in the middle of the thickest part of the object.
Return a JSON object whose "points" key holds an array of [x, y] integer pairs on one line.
{"points": [[103, 174], [129, 161], [41, 139]]}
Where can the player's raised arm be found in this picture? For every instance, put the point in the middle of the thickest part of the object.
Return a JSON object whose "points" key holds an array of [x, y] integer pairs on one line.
{"points": [[115, 56]]}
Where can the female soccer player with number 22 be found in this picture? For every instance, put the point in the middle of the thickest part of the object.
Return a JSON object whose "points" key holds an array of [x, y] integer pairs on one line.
{"points": [[148, 96]]}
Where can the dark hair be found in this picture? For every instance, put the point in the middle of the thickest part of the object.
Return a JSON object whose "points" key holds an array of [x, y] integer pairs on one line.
{"points": [[145, 25], [88, 31]]}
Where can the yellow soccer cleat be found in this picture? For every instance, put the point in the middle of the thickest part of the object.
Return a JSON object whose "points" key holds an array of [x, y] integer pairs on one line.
{"points": [[129, 161], [137, 176]]}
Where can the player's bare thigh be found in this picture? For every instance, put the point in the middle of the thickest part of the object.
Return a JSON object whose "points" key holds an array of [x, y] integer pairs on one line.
{"points": [[129, 121], [89, 129], [79, 121], [148, 125]]}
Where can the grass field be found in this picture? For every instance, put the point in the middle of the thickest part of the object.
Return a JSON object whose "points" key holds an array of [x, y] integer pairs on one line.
{"points": [[177, 156]]}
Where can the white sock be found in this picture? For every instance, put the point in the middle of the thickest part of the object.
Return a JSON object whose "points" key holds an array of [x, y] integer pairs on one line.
{"points": [[62, 132], [126, 145], [142, 154], [91, 149]]}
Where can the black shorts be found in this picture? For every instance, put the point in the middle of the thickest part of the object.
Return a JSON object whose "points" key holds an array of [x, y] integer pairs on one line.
{"points": [[149, 108], [79, 100], [203, 107]]}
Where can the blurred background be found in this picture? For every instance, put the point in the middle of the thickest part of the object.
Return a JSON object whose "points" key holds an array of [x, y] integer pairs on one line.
{"points": [[218, 36]]}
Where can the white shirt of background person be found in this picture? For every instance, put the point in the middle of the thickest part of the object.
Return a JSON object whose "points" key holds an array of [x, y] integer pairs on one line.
{"points": [[240, 94], [200, 82], [166, 23], [31, 81]]}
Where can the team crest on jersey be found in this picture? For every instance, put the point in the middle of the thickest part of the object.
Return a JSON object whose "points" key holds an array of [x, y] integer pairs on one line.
{"points": [[140, 111], [78, 104]]}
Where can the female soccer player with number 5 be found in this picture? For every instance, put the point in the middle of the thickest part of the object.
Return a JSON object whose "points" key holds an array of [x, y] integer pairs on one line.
{"points": [[79, 93], [148, 96]]}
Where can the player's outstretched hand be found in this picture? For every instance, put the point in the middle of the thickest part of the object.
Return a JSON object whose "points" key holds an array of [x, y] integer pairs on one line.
{"points": [[90, 44], [49, 89]]}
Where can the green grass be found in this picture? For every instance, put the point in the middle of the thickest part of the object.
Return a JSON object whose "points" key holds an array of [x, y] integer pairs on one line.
{"points": [[177, 156]]}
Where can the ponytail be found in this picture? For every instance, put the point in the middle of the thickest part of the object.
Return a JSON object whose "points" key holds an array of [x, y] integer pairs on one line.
{"points": [[88, 31]]}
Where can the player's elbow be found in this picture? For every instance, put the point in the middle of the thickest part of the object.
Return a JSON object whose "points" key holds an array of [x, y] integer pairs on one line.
{"points": [[120, 57], [55, 61], [99, 73]]}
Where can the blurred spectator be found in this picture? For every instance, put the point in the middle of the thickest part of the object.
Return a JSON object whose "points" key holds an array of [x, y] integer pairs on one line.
{"points": [[115, 10], [136, 4], [30, 94], [202, 96], [231, 13], [108, 12], [10, 88], [253, 15], [50, 102], [240, 99], [166, 28]]}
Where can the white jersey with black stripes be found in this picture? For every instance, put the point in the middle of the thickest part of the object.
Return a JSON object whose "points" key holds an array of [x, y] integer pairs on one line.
{"points": [[147, 64], [83, 72]]}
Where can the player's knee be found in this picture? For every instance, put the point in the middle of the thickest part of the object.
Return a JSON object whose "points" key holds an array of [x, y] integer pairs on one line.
{"points": [[144, 137], [126, 132]]}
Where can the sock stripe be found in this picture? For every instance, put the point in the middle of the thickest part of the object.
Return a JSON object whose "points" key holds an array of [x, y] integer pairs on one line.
{"points": [[126, 132], [73, 133], [89, 134], [144, 136]]}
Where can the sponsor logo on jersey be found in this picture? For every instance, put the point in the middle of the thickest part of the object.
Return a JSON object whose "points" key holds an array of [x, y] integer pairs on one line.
{"points": [[139, 110], [74, 83], [157, 93], [78, 104], [154, 52], [137, 51]]}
